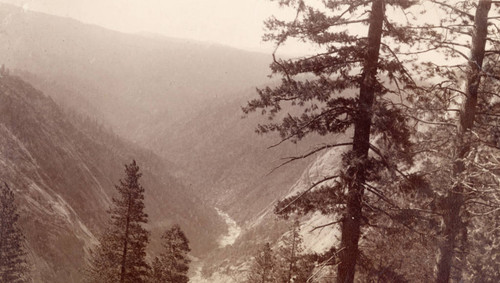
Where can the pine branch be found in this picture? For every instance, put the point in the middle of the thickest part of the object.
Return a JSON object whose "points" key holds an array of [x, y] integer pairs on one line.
{"points": [[306, 191], [434, 123], [325, 225], [375, 191], [485, 213], [392, 217], [316, 150], [404, 71], [306, 125], [469, 16], [386, 162], [323, 264], [496, 205], [452, 45], [284, 38]]}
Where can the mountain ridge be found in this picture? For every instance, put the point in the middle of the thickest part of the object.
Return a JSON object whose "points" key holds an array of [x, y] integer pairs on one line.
{"points": [[63, 173], [116, 73], [182, 102]]}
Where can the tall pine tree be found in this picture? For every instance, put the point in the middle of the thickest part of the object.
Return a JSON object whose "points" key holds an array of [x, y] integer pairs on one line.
{"points": [[323, 85], [173, 263], [460, 114], [13, 265], [121, 254]]}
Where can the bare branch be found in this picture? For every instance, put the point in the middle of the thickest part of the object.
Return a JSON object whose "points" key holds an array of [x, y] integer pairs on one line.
{"points": [[484, 213], [471, 17], [326, 225], [323, 264], [316, 150], [433, 123]]}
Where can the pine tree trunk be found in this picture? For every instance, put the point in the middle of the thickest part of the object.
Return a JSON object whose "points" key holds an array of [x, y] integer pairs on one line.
{"points": [[351, 223], [453, 225], [454, 201], [125, 241], [479, 36], [3, 218], [292, 259]]}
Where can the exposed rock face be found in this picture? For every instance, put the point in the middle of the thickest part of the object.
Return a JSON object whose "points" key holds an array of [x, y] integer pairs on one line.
{"points": [[231, 263], [63, 170]]}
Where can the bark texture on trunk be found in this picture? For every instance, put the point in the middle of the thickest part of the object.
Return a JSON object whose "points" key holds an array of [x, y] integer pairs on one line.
{"points": [[454, 201], [125, 242], [452, 227], [351, 222]]}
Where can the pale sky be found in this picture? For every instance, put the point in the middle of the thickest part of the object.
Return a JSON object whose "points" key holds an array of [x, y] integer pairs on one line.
{"points": [[237, 23]]}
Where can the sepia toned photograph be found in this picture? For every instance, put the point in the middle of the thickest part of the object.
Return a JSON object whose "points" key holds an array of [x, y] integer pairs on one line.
{"points": [[249, 141]]}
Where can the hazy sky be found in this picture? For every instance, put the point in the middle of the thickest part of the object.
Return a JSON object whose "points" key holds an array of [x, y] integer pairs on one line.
{"points": [[237, 23]]}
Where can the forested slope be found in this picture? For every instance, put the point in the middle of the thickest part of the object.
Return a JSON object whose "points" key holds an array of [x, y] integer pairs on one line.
{"points": [[63, 169]]}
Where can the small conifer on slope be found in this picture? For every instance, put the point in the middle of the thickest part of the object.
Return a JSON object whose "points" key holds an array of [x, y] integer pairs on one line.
{"points": [[173, 264], [121, 254]]}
